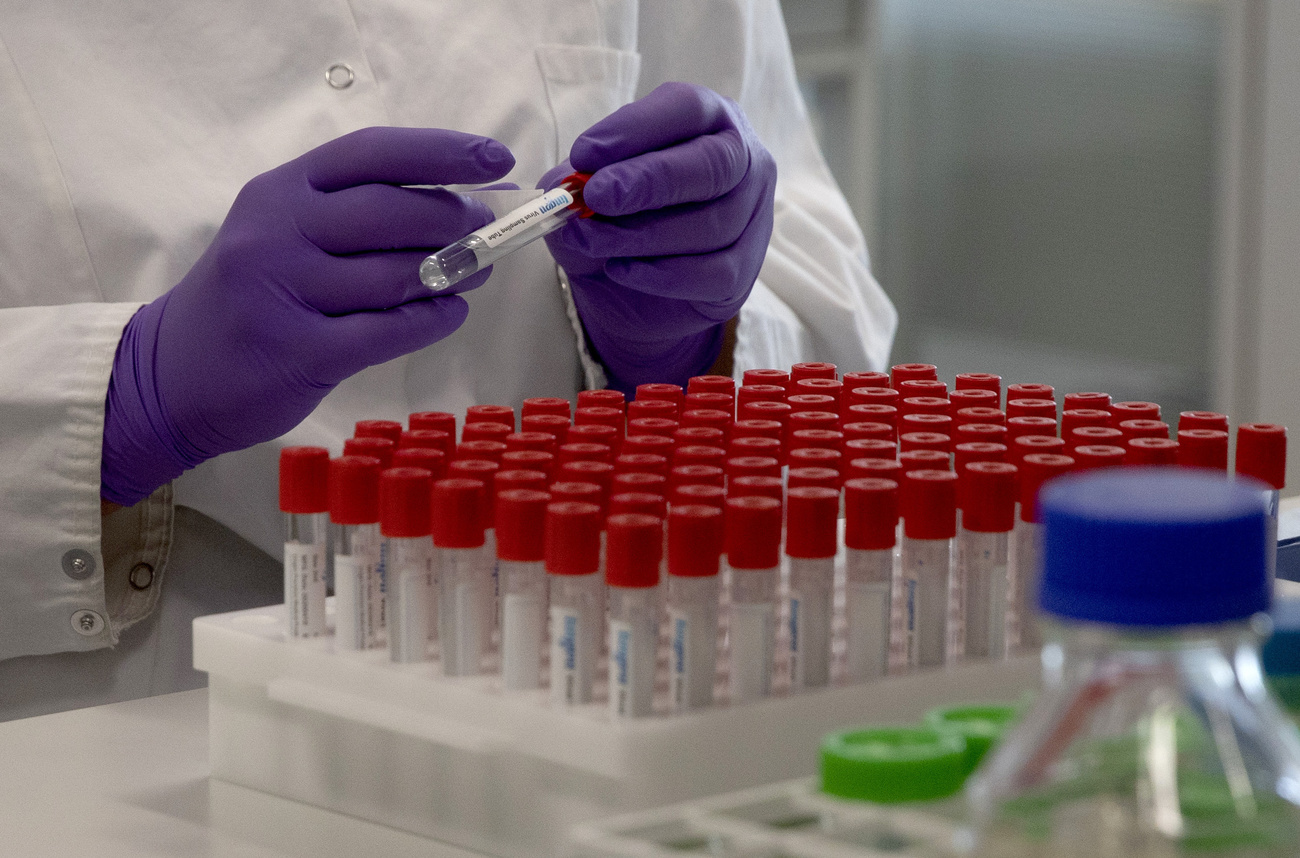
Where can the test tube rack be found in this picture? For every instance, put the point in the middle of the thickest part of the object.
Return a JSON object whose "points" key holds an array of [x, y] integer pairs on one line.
{"points": [[790, 819], [508, 773]]}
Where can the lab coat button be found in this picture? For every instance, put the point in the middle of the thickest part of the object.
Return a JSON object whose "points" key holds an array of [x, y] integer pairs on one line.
{"points": [[78, 564], [340, 76], [87, 623], [141, 576]]}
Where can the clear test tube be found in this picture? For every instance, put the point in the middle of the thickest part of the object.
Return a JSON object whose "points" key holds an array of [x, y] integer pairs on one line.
{"points": [[405, 521], [633, 550], [521, 534], [988, 494], [304, 500], [465, 592], [694, 553], [358, 553], [1023, 631], [577, 597], [929, 506], [870, 533], [1261, 455], [753, 544], [810, 544]]}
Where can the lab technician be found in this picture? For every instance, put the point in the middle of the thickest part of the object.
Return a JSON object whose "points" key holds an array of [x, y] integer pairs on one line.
{"points": [[210, 246]]}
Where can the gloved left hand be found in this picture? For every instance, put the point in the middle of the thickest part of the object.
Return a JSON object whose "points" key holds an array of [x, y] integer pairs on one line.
{"points": [[684, 192]]}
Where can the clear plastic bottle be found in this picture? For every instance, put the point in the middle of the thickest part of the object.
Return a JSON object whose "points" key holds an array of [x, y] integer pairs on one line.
{"points": [[1154, 734]]}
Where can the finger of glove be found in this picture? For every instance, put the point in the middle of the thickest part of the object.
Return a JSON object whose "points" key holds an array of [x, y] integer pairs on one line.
{"points": [[386, 217], [685, 229], [671, 114], [364, 339], [339, 285], [719, 282], [695, 170], [406, 156]]}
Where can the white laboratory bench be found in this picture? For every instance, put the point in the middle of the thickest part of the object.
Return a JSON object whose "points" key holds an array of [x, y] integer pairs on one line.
{"points": [[130, 780]]}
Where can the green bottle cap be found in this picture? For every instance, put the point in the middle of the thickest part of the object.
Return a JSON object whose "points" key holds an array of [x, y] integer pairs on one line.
{"points": [[890, 765], [981, 725]]}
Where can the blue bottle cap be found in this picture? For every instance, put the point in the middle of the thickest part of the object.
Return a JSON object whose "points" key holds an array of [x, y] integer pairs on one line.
{"points": [[1153, 547]]}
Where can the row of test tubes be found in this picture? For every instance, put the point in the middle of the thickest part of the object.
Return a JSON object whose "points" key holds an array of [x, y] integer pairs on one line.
{"points": [[717, 543]]}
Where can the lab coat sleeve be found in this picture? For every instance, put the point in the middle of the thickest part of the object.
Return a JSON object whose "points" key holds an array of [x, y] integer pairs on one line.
{"points": [[56, 591], [815, 298]]}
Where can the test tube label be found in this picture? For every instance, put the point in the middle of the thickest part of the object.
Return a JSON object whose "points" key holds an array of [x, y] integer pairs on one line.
{"points": [[567, 656], [355, 594], [304, 578], [866, 608], [751, 651], [679, 625], [521, 640]]}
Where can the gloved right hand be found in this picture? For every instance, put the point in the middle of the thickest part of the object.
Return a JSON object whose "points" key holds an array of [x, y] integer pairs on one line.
{"points": [[312, 277]]}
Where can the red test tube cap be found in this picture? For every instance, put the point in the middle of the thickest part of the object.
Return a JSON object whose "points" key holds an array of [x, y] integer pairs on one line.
{"points": [[759, 393], [459, 513], [518, 478], [1140, 428], [741, 466], [910, 371], [911, 441], [639, 481], [661, 391], [521, 525], [390, 429], [661, 426], [753, 532], [486, 430], [974, 397], [1089, 400], [543, 441], [376, 448], [988, 432], [572, 542], [641, 463], [1029, 425], [1028, 444], [546, 405], [706, 436], [866, 468], [929, 504], [708, 475], [529, 460], [1031, 408], [434, 439], [549, 424], [979, 381], [304, 480], [883, 431], [778, 377], [1134, 410], [1091, 456], [1151, 451], [1030, 390], [1081, 436], [1203, 420], [490, 451], [405, 496], [433, 461], [633, 548], [854, 380], [696, 494], [503, 414], [439, 421], [354, 489], [662, 408], [924, 460], [601, 415], [875, 448], [711, 384], [828, 478], [870, 513], [979, 414], [606, 397], [812, 369], [811, 517], [1203, 448], [695, 535], [578, 491], [740, 487], [1261, 453], [1035, 470], [977, 451], [644, 503], [989, 497]]}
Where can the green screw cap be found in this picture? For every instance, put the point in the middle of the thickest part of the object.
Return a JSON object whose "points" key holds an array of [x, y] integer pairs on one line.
{"points": [[891, 765], [981, 725]]}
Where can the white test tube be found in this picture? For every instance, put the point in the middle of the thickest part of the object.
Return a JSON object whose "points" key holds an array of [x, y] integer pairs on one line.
{"points": [[812, 514], [576, 599], [465, 593], [633, 550], [988, 514], [304, 500], [358, 552], [1023, 630], [929, 502], [404, 520], [753, 543], [521, 533], [694, 553], [870, 533]]}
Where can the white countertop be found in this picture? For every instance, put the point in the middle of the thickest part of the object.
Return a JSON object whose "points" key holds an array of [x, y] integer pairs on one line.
{"points": [[130, 780]]}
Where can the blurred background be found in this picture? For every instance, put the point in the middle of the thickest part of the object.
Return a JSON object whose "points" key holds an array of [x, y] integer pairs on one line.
{"points": [[1095, 194]]}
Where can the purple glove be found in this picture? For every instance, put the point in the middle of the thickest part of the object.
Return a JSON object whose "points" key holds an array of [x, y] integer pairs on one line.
{"points": [[312, 277], [685, 189]]}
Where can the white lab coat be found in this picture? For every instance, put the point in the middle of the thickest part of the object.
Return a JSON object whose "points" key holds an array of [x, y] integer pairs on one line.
{"points": [[128, 126]]}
